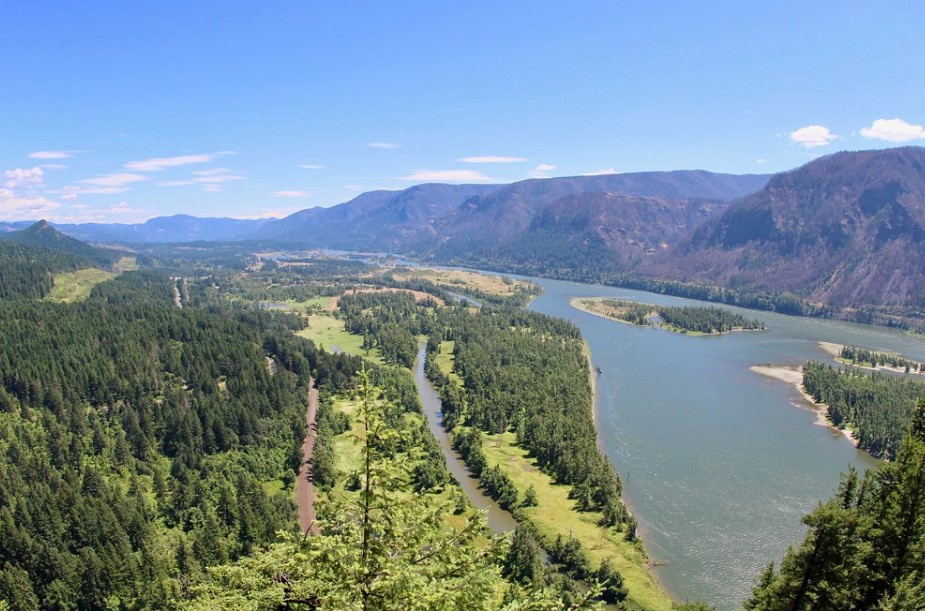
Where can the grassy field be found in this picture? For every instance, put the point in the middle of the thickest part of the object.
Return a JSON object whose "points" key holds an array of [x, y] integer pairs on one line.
{"points": [[453, 278], [445, 361], [555, 515], [328, 332], [76, 286], [125, 264]]}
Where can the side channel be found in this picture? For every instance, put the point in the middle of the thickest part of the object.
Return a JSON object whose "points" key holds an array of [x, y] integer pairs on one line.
{"points": [[499, 520]]}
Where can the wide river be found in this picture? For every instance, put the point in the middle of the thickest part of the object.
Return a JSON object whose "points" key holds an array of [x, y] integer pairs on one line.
{"points": [[719, 463]]}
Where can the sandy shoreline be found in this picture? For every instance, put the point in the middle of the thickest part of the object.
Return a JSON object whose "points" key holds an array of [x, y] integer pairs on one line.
{"points": [[592, 378], [576, 302], [793, 375]]}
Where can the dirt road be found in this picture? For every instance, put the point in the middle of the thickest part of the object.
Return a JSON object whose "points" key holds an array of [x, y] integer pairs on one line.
{"points": [[304, 489]]}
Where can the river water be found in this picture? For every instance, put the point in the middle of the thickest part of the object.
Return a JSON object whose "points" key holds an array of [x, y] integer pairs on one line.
{"points": [[719, 463], [499, 520]]}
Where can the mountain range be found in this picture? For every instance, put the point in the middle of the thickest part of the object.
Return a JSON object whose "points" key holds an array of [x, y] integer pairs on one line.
{"points": [[846, 230]]}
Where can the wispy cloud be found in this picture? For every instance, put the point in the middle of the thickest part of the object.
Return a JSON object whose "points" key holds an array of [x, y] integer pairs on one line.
{"points": [[761, 160], [116, 180], [492, 159], [603, 172], [156, 164], [311, 166], [14, 207], [893, 130], [50, 155], [277, 213], [447, 176], [293, 194], [20, 177], [541, 171], [812, 136], [383, 145], [124, 208], [209, 179]]}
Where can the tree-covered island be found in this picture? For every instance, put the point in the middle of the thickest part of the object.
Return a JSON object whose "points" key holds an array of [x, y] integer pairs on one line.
{"points": [[689, 320]]}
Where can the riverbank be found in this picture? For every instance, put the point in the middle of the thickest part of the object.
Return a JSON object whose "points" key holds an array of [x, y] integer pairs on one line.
{"points": [[793, 375], [556, 514]]}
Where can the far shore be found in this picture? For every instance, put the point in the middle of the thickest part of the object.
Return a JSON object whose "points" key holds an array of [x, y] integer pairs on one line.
{"points": [[835, 349], [793, 375]]}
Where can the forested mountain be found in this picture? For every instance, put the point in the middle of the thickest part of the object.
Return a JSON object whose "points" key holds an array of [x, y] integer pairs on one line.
{"points": [[592, 234], [43, 235], [846, 230]]}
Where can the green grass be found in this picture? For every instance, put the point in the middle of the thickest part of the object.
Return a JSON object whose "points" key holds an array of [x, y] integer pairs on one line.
{"points": [[445, 360], [76, 286], [308, 306], [125, 264], [556, 515], [328, 332]]}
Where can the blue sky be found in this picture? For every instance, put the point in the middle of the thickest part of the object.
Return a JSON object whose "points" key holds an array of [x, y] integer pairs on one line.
{"points": [[121, 111]]}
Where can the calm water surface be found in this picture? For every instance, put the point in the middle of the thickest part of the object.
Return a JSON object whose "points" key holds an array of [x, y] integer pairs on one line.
{"points": [[498, 519], [719, 464]]}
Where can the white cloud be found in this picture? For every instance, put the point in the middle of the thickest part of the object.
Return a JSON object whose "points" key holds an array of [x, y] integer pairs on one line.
{"points": [[156, 164], [893, 130], [447, 176], [603, 172], [311, 166], [117, 180], [274, 214], [124, 208], [291, 193], [18, 208], [761, 160], [210, 179], [50, 155], [492, 159], [23, 178], [541, 171], [812, 136], [383, 145]]}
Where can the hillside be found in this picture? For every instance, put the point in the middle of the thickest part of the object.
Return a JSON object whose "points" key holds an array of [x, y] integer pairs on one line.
{"points": [[509, 211], [28, 272], [43, 235], [598, 233], [847, 230]]}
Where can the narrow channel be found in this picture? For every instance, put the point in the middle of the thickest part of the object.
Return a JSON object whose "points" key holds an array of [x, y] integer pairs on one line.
{"points": [[499, 520]]}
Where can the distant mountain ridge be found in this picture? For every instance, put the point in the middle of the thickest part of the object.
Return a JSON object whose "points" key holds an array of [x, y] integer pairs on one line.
{"points": [[176, 228], [846, 230], [378, 220]]}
